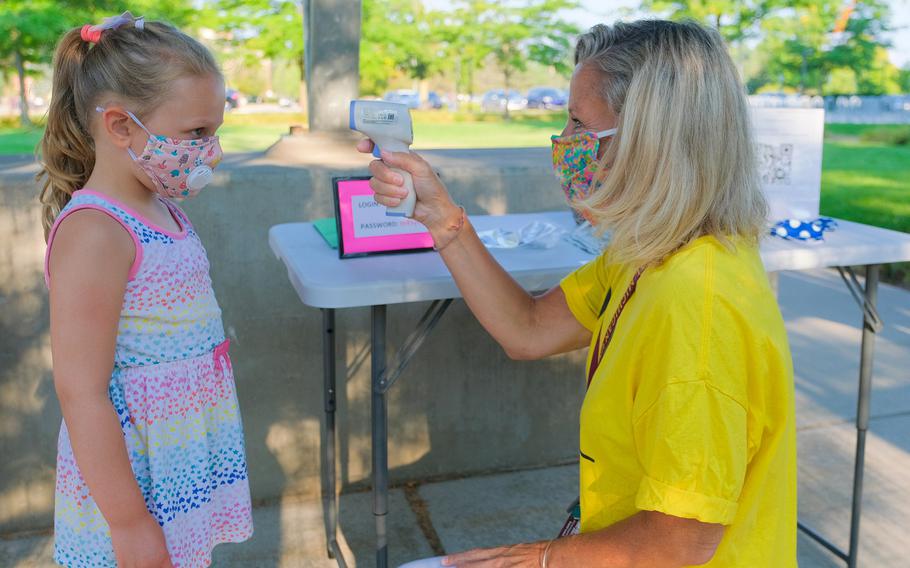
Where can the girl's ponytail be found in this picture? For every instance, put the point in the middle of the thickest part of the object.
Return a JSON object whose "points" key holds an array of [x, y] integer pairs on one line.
{"points": [[67, 153]]}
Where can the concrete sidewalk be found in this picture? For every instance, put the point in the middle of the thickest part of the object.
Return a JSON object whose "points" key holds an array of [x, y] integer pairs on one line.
{"points": [[453, 515]]}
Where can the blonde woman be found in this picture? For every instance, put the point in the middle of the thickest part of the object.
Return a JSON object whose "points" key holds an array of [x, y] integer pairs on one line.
{"points": [[687, 451]]}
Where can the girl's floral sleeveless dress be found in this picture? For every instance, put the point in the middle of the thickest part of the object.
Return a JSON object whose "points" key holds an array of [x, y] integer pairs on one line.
{"points": [[172, 387]]}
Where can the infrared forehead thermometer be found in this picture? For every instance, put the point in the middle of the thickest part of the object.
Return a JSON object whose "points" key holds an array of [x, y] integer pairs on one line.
{"points": [[389, 127]]}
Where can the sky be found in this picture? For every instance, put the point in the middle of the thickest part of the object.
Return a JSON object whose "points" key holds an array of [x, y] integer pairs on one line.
{"points": [[596, 11]]}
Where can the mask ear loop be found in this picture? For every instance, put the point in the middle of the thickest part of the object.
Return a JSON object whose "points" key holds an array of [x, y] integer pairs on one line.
{"points": [[600, 135], [137, 121]]}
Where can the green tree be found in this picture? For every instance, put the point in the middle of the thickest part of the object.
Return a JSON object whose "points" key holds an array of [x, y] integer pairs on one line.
{"points": [[270, 29], [903, 79], [810, 46], [464, 33], [512, 33], [399, 38], [804, 50], [531, 32], [30, 29], [734, 19]]}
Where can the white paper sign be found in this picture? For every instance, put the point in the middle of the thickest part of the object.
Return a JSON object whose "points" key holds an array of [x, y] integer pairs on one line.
{"points": [[789, 151], [370, 220]]}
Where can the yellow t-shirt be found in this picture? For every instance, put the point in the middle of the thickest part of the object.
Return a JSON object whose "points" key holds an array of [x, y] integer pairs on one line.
{"points": [[690, 412]]}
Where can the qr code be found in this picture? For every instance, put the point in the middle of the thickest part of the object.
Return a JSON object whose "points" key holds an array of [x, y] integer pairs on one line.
{"points": [[774, 163]]}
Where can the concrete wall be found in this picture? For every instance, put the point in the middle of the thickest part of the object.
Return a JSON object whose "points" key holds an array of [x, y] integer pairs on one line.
{"points": [[461, 406]]}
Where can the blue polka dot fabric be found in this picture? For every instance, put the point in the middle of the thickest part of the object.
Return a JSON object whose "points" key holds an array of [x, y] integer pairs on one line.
{"points": [[798, 230]]}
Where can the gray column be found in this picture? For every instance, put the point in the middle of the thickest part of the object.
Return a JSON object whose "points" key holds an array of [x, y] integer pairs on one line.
{"points": [[332, 50]]}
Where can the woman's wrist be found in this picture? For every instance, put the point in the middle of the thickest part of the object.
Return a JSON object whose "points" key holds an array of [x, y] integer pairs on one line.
{"points": [[449, 228], [545, 555]]}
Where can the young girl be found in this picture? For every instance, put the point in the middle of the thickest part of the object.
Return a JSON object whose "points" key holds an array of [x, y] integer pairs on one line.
{"points": [[151, 470]]}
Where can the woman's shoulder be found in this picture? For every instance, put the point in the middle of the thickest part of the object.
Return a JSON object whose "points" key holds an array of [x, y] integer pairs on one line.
{"points": [[712, 303], [710, 272], [711, 260]]}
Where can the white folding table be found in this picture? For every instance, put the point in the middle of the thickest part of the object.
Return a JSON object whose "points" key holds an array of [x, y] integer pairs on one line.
{"points": [[324, 281]]}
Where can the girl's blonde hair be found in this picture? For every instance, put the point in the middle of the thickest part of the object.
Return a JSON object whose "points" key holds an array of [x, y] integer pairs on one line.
{"points": [[133, 66], [682, 163]]}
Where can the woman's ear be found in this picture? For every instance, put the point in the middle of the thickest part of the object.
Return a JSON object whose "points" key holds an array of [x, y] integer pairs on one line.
{"points": [[118, 126]]}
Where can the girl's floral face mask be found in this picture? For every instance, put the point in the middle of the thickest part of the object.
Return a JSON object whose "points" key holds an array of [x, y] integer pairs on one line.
{"points": [[179, 168]]}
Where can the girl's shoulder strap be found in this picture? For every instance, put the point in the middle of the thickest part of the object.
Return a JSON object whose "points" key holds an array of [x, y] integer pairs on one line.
{"points": [[179, 214], [87, 199]]}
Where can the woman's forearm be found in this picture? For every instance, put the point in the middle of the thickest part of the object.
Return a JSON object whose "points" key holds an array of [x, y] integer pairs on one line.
{"points": [[100, 451], [513, 317], [646, 539], [501, 306]]}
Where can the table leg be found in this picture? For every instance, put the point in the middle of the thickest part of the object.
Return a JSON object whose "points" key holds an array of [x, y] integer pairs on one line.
{"points": [[862, 412], [380, 435], [865, 297], [328, 457], [774, 281]]}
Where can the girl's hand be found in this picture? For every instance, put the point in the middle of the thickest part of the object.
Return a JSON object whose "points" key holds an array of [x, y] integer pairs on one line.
{"points": [[140, 545], [434, 208], [517, 555]]}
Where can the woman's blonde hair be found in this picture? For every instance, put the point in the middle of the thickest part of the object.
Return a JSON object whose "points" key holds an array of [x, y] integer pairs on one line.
{"points": [[682, 163], [134, 66]]}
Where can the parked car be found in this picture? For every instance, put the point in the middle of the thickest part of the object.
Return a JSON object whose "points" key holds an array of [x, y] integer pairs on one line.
{"points": [[231, 99], [497, 100], [403, 96], [547, 98], [435, 101]]}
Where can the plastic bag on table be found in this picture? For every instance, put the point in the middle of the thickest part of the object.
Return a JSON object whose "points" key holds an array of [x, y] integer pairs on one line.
{"points": [[585, 237], [537, 234]]}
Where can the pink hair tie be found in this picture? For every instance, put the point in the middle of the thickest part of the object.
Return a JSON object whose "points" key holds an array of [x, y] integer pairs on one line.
{"points": [[90, 34]]}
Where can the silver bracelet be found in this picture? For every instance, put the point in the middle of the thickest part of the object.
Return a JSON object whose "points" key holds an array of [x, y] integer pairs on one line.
{"points": [[455, 229], [543, 560]]}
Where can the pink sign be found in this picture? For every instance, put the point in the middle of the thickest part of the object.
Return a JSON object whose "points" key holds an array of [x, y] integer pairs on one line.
{"points": [[364, 227]]}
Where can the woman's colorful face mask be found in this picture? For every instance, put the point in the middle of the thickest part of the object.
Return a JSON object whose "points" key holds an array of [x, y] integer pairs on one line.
{"points": [[575, 162], [178, 168]]}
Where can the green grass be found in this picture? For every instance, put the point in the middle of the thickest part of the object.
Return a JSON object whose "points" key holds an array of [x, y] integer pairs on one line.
{"points": [[255, 132], [857, 130], [518, 133], [888, 134], [249, 137], [868, 183], [19, 140], [443, 129]]}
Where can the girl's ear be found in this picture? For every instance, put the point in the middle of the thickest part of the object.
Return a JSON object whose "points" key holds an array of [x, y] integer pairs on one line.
{"points": [[118, 126]]}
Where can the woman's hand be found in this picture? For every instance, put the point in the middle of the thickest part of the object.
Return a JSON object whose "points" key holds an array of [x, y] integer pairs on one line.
{"points": [[647, 539], [434, 207], [517, 555], [140, 544]]}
